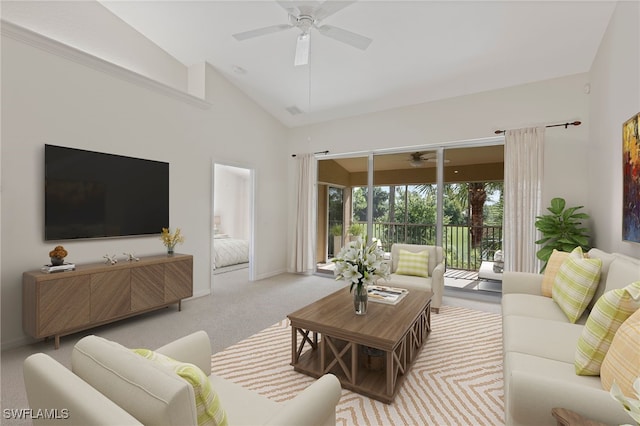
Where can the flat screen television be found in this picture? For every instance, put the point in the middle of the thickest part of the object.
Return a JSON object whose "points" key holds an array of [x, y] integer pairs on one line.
{"points": [[95, 195]]}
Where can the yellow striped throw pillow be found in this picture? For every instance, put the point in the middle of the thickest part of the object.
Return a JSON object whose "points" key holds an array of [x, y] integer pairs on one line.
{"points": [[576, 283], [553, 265], [622, 361], [609, 312], [208, 407], [416, 264]]}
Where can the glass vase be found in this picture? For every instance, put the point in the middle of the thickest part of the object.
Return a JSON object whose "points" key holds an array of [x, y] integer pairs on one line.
{"points": [[170, 250], [360, 299]]}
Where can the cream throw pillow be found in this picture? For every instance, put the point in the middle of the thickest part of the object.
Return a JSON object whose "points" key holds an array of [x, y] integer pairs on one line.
{"points": [[576, 283], [553, 265], [208, 407], [622, 361], [416, 264], [609, 312]]}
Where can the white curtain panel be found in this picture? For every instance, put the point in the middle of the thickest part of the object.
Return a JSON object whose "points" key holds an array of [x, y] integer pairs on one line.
{"points": [[523, 173], [303, 253]]}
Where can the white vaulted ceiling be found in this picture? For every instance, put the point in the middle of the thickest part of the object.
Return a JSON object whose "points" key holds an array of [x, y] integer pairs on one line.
{"points": [[421, 50]]}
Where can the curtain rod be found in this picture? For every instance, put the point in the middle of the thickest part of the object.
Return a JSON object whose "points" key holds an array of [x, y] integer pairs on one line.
{"points": [[566, 125], [316, 153]]}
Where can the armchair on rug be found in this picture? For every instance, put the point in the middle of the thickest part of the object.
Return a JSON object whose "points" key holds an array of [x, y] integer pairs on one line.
{"points": [[113, 385], [418, 266]]}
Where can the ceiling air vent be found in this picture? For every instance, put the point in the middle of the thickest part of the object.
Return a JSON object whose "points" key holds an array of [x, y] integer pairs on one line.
{"points": [[294, 110]]}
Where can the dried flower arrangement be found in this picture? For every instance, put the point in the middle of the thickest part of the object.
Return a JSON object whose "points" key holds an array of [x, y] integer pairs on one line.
{"points": [[59, 253], [171, 239]]}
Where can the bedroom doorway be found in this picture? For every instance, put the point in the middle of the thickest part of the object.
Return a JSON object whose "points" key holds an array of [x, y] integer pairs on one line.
{"points": [[232, 224]]}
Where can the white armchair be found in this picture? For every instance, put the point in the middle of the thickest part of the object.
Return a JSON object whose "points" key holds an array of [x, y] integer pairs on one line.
{"points": [[435, 266], [111, 385]]}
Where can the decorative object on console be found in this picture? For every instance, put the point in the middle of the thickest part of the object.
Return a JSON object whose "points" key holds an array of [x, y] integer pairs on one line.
{"points": [[170, 239], [131, 257], [561, 230], [57, 255], [630, 184], [361, 265], [110, 259]]}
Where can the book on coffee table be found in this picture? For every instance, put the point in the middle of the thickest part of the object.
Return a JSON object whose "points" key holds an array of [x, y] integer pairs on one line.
{"points": [[384, 294]]}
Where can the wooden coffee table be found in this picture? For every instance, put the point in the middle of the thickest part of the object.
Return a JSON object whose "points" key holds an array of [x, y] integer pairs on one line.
{"points": [[333, 339]]}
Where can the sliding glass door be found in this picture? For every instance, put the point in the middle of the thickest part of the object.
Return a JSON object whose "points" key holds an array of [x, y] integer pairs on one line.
{"points": [[448, 197]]}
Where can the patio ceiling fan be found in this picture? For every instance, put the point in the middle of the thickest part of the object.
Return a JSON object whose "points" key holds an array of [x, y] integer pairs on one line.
{"points": [[307, 15], [417, 159]]}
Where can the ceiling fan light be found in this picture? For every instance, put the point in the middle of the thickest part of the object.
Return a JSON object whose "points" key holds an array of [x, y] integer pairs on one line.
{"points": [[416, 163], [302, 50]]}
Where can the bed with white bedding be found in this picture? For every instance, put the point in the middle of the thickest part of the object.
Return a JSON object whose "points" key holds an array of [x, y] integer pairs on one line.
{"points": [[229, 251]]}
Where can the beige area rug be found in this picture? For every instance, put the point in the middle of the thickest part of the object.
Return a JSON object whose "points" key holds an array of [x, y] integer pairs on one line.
{"points": [[456, 379]]}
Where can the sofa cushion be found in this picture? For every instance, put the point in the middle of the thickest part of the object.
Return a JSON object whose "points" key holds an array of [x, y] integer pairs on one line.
{"points": [[553, 266], [609, 312], [529, 305], [607, 259], [149, 392], [576, 283], [208, 407], [541, 337], [408, 281], [534, 385], [243, 406], [414, 264], [622, 361], [622, 271]]}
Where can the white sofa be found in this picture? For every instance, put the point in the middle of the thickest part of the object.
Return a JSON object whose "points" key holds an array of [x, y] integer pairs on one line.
{"points": [[436, 267], [111, 385], [539, 345]]}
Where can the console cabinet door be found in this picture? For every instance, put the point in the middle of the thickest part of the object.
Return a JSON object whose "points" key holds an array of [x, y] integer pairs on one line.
{"points": [[110, 295], [63, 304], [178, 280], [147, 287]]}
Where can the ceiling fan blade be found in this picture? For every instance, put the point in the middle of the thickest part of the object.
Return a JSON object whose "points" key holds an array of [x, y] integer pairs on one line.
{"points": [[302, 49], [261, 31], [290, 6], [356, 40], [328, 8]]}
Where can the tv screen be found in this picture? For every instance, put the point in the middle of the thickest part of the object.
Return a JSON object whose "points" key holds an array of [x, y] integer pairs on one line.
{"points": [[91, 194]]}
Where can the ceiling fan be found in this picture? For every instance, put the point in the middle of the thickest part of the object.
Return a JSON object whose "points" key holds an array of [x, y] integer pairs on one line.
{"points": [[417, 159], [305, 15]]}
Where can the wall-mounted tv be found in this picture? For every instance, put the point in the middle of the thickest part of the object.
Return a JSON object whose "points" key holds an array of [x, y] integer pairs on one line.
{"points": [[92, 195]]}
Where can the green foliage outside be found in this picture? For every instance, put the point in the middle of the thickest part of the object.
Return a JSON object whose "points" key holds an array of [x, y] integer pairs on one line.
{"points": [[407, 214]]}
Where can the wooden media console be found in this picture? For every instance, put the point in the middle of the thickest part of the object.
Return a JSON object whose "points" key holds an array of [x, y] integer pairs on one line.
{"points": [[61, 303]]}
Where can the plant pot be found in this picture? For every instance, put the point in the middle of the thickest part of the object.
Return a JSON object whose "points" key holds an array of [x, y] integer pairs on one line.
{"points": [[360, 299], [57, 261]]}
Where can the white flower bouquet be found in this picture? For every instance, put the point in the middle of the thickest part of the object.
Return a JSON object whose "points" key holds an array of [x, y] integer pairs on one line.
{"points": [[631, 406], [360, 264]]}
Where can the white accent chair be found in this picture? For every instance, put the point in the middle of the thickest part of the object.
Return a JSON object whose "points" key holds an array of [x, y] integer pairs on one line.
{"points": [[111, 385], [436, 268]]}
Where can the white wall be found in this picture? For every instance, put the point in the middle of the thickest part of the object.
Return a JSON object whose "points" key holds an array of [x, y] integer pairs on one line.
{"points": [[615, 97], [232, 200], [87, 25], [49, 99], [472, 117]]}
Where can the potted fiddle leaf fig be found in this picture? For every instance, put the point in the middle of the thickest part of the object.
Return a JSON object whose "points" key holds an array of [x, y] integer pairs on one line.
{"points": [[562, 230]]}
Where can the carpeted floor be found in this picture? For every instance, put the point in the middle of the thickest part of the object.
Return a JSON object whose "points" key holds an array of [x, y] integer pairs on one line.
{"points": [[456, 379]]}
